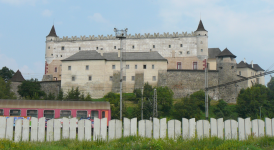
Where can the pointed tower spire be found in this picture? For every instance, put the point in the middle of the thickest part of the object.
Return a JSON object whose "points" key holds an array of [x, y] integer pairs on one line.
{"points": [[52, 32], [200, 27]]}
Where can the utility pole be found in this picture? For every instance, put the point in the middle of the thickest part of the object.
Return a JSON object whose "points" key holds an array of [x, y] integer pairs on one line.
{"points": [[121, 34], [206, 90], [142, 104], [155, 113]]}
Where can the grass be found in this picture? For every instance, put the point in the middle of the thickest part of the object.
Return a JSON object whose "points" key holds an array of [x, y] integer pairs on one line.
{"points": [[134, 142]]}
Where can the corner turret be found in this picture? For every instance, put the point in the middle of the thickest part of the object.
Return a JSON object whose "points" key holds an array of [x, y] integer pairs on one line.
{"points": [[52, 34], [227, 67], [202, 41]]}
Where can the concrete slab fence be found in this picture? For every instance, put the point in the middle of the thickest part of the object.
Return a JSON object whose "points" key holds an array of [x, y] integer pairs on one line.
{"points": [[156, 128]]}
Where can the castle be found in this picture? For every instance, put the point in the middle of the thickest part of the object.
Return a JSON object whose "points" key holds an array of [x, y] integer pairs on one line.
{"points": [[174, 60]]}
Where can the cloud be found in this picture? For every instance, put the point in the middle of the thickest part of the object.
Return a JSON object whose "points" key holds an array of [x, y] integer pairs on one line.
{"points": [[47, 13], [19, 2], [97, 17], [8, 62]]}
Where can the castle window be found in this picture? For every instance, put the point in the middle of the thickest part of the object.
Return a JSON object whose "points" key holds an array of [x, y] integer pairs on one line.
{"points": [[195, 66], [132, 46], [188, 52], [132, 78], [51, 54], [205, 34], [152, 66], [135, 66], [49, 47], [144, 66], [55, 70], [124, 78], [202, 50], [113, 66], [153, 78], [127, 66], [69, 67], [97, 48], [179, 65], [232, 67], [181, 52], [240, 73], [169, 46], [87, 67], [51, 39], [89, 78], [61, 55], [181, 45], [63, 48], [110, 78], [79, 48], [199, 34], [114, 47], [153, 46], [72, 78]]}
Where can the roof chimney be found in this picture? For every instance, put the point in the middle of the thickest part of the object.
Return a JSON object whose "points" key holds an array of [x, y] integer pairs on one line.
{"points": [[244, 60], [251, 63]]}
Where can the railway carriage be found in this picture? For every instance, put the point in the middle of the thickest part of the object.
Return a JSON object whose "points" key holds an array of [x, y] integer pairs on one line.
{"points": [[55, 109]]}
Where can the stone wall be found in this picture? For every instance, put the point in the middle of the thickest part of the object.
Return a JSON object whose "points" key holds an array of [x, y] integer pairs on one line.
{"points": [[51, 87], [186, 82], [14, 88]]}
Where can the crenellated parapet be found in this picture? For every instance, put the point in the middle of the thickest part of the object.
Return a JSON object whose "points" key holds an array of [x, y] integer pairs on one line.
{"points": [[129, 36]]}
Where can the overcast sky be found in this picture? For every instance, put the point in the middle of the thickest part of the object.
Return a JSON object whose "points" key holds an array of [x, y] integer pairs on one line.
{"points": [[245, 27]]}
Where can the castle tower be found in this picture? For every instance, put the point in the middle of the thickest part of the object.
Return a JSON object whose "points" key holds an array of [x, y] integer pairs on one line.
{"points": [[227, 67], [202, 41], [49, 47]]}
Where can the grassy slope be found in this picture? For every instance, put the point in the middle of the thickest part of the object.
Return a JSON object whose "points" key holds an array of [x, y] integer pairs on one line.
{"points": [[145, 143]]}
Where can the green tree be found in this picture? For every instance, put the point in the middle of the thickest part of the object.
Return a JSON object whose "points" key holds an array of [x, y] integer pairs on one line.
{"points": [[199, 98], [29, 88], [5, 90], [6, 73], [114, 100], [186, 108], [223, 110], [73, 94], [138, 93], [251, 99], [60, 95], [88, 97], [164, 100], [148, 91]]}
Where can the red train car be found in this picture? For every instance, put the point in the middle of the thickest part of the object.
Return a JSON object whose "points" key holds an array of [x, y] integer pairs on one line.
{"points": [[55, 109]]}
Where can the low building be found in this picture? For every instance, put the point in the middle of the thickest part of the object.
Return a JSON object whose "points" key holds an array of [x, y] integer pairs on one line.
{"points": [[248, 70], [99, 73]]}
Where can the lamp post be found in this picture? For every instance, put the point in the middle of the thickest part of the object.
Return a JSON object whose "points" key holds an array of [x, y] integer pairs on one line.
{"points": [[121, 34]]}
